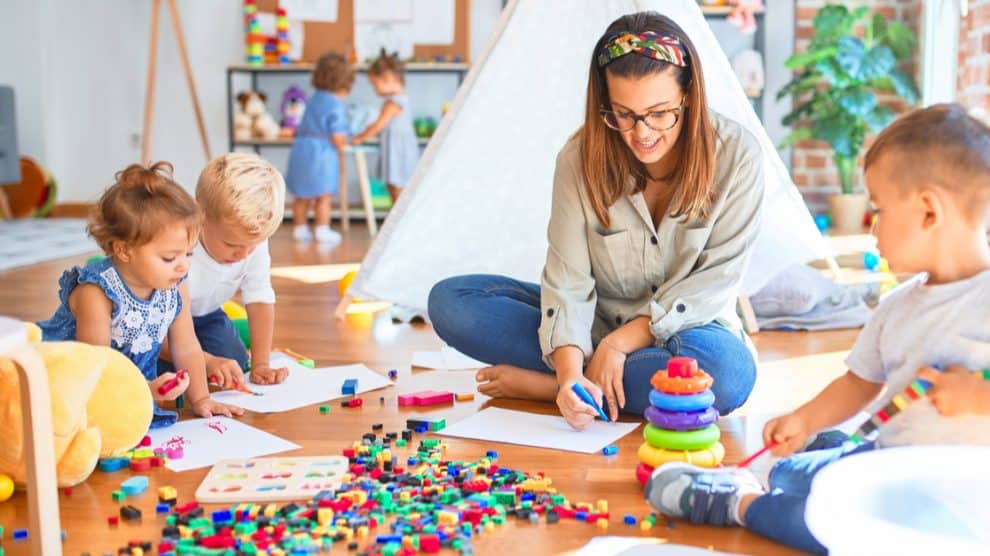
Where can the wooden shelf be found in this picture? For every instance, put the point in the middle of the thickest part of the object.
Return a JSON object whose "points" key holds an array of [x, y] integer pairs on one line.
{"points": [[288, 142], [411, 67]]}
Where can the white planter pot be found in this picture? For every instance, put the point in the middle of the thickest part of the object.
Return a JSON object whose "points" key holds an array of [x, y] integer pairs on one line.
{"points": [[846, 211]]}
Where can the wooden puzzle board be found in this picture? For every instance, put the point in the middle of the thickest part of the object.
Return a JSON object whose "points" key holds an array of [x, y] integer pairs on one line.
{"points": [[271, 479]]}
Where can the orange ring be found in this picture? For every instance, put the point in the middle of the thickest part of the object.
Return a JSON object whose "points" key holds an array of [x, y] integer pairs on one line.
{"points": [[699, 381]]}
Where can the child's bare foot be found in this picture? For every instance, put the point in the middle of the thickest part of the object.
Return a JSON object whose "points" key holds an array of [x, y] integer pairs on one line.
{"points": [[508, 381]]}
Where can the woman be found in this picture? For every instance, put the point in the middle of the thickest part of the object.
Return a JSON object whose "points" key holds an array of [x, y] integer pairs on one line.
{"points": [[656, 204]]}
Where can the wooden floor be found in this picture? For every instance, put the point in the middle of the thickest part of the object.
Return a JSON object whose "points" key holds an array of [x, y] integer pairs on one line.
{"points": [[305, 282]]}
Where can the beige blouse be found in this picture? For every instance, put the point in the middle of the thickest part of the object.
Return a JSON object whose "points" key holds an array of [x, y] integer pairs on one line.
{"points": [[680, 274]]}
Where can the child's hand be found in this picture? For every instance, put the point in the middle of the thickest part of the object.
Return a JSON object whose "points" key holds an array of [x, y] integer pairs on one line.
{"points": [[263, 374], [226, 373], [207, 407], [788, 431], [169, 386], [956, 390]]}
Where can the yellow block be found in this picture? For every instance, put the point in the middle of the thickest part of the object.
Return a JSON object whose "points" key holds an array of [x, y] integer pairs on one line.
{"points": [[324, 516], [603, 506], [362, 531]]}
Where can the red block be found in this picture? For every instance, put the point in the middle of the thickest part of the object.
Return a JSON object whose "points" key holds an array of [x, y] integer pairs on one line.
{"points": [[349, 453], [142, 464], [155, 462], [356, 402], [407, 399], [375, 473], [217, 541], [185, 508], [431, 397], [113, 520], [165, 547], [429, 543]]}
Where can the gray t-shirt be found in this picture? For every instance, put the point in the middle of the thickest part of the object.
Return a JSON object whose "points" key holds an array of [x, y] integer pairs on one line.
{"points": [[919, 325]]}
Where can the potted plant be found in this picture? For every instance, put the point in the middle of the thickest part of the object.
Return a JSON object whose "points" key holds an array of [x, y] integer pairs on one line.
{"points": [[836, 83]]}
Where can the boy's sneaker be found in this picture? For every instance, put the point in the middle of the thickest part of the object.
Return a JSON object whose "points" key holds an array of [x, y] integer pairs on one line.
{"points": [[700, 494], [325, 235], [301, 233]]}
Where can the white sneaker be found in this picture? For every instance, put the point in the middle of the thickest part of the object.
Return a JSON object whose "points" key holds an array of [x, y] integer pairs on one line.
{"points": [[325, 235], [301, 233]]}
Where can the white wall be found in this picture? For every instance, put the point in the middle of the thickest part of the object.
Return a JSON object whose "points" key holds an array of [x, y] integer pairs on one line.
{"points": [[78, 70]]}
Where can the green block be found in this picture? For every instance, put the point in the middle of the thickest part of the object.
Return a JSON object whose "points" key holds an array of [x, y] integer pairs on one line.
{"points": [[502, 497], [557, 499], [391, 549], [118, 495], [430, 442], [438, 425], [456, 544], [499, 519], [430, 529], [401, 443], [324, 409], [245, 528]]}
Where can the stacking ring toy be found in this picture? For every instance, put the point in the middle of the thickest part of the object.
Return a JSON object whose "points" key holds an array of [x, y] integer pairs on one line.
{"points": [[643, 473], [681, 420], [685, 402], [681, 440], [655, 457], [682, 376]]}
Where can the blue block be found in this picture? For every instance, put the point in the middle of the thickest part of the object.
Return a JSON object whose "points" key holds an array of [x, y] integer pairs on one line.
{"points": [[20, 534], [350, 387], [421, 428], [610, 450], [581, 516], [109, 465], [162, 509], [527, 496], [222, 516], [491, 454], [629, 519], [135, 485]]}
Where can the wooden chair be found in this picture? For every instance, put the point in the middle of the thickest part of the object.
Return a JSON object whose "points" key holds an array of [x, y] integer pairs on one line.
{"points": [[45, 533]]}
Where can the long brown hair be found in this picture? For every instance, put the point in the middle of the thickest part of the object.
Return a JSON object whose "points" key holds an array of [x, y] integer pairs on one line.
{"points": [[607, 162]]}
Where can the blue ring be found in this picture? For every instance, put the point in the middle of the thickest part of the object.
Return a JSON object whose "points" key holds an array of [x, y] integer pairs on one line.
{"points": [[685, 402]]}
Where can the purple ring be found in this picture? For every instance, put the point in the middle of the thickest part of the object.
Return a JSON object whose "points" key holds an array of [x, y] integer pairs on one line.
{"points": [[681, 420]]}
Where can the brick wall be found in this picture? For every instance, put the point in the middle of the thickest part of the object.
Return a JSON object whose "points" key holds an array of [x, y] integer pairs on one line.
{"points": [[811, 162], [973, 81]]}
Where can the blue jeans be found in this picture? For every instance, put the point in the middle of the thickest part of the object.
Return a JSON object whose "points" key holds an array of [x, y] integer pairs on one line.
{"points": [[218, 336], [495, 319], [779, 514]]}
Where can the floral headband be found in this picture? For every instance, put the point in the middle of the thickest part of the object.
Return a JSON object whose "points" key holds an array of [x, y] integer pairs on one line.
{"points": [[666, 48]]}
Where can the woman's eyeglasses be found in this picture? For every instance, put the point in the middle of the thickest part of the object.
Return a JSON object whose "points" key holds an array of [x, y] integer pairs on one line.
{"points": [[657, 120]]}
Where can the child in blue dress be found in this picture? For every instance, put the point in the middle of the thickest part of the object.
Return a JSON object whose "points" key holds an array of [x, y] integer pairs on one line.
{"points": [[399, 148], [316, 161], [135, 297]]}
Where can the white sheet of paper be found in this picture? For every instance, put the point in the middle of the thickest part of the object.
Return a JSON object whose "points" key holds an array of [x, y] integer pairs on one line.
{"points": [[302, 387], [310, 10], [447, 358], [297, 38], [382, 10], [207, 441], [433, 21], [370, 38], [635, 546], [542, 431]]}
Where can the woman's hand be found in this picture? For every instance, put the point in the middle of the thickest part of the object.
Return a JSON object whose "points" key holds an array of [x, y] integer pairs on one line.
{"points": [[577, 413], [788, 431], [206, 407], [179, 382], [605, 369], [225, 373]]}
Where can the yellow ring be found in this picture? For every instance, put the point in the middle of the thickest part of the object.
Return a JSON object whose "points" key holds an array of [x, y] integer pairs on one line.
{"points": [[655, 457]]}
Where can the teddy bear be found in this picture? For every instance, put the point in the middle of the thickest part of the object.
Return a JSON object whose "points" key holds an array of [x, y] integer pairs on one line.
{"points": [[101, 407], [252, 119]]}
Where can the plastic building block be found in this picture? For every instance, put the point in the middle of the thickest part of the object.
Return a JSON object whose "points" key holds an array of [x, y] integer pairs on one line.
{"points": [[135, 485], [130, 513], [142, 464], [324, 409], [602, 523], [377, 427], [113, 520], [350, 387], [467, 397], [222, 516], [438, 425], [426, 398], [109, 465], [162, 508], [167, 494], [491, 454], [20, 534], [67, 491], [118, 495], [553, 516], [393, 374], [629, 519], [356, 402], [610, 450]]}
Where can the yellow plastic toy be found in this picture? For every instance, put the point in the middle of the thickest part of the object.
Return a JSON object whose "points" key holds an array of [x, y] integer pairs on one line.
{"points": [[6, 488], [101, 407], [708, 457]]}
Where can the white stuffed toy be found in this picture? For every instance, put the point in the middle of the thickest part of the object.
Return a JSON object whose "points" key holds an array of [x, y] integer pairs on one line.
{"points": [[252, 119]]}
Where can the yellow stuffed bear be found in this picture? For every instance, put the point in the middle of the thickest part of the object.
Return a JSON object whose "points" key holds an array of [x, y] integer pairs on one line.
{"points": [[101, 407]]}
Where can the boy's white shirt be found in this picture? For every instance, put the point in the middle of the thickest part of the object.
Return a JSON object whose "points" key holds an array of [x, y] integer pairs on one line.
{"points": [[920, 325], [212, 283]]}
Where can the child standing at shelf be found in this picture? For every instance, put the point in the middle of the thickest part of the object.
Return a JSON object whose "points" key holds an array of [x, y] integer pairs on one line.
{"points": [[399, 148], [316, 161]]}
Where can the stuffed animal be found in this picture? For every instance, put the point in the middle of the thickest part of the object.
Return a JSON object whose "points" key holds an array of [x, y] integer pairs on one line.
{"points": [[101, 407], [292, 107], [252, 119]]}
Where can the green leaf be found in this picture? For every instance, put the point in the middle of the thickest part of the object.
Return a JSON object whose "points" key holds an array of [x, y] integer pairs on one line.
{"points": [[878, 62], [810, 57], [879, 117], [904, 86], [900, 39], [799, 112], [850, 57], [837, 132], [879, 27], [796, 136], [832, 73], [858, 102], [858, 13], [831, 22], [801, 83]]}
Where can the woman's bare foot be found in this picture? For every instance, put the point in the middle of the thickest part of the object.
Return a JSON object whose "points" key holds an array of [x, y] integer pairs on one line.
{"points": [[508, 381]]}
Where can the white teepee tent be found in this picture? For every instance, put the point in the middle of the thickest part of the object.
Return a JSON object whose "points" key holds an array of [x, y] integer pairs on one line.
{"points": [[479, 200]]}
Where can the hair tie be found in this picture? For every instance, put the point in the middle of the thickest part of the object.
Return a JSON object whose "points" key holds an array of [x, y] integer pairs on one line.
{"points": [[666, 48]]}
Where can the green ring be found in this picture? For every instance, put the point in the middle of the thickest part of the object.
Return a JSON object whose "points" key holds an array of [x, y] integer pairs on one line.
{"points": [[681, 440]]}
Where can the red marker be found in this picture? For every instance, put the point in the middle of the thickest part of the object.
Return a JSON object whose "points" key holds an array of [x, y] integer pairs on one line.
{"points": [[172, 382], [759, 453]]}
